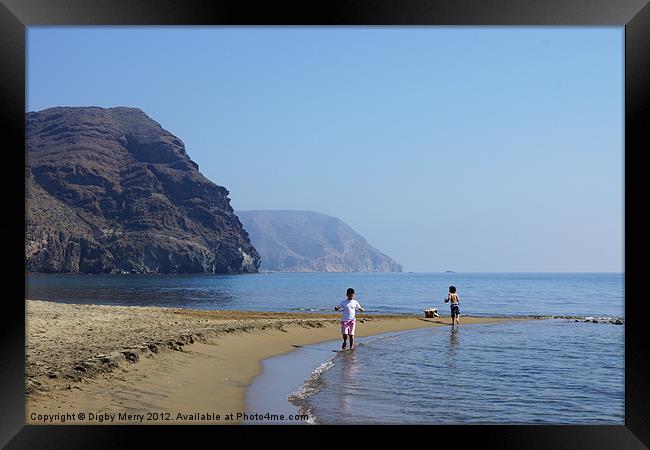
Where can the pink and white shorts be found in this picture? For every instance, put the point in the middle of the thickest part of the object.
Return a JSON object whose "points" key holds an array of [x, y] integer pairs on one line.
{"points": [[348, 326]]}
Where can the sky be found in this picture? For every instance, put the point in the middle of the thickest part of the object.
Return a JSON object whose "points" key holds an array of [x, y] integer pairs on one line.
{"points": [[472, 149]]}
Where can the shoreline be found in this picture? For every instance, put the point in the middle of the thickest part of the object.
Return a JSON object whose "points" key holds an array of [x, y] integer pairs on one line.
{"points": [[155, 363], [288, 380]]}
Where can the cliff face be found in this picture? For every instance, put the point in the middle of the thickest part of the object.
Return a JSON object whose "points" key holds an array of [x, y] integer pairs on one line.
{"points": [[306, 241], [110, 190]]}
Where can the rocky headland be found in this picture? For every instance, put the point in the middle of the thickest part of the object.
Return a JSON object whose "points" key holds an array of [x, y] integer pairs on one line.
{"points": [[108, 190]]}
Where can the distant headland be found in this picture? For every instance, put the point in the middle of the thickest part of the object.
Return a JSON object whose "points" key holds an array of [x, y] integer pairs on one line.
{"points": [[308, 241]]}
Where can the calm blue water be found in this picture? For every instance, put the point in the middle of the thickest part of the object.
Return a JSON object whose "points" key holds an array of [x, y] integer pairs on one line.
{"points": [[482, 294], [549, 371], [538, 371]]}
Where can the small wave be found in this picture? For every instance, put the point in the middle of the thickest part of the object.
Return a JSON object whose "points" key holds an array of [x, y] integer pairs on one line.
{"points": [[612, 320], [593, 319], [371, 339], [310, 387]]}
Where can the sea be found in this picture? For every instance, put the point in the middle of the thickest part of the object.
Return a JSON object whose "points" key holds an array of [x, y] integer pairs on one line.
{"points": [[566, 366]]}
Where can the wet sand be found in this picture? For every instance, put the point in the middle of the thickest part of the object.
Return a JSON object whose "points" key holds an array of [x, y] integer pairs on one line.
{"points": [[151, 365]]}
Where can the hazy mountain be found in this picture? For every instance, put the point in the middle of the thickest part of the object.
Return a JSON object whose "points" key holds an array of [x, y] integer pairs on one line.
{"points": [[306, 241], [110, 190]]}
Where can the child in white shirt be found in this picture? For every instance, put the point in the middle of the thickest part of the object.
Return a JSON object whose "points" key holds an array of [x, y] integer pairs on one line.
{"points": [[348, 321]]}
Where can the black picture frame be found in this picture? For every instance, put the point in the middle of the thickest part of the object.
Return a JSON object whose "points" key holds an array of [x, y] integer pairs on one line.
{"points": [[16, 15]]}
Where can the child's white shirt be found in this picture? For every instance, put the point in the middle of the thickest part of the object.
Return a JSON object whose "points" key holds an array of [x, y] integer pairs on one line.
{"points": [[349, 308]]}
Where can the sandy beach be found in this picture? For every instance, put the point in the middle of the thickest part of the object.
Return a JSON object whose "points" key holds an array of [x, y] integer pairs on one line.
{"points": [[96, 364]]}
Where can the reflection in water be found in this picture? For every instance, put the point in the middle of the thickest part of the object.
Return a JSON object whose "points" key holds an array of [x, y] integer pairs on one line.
{"points": [[453, 337], [349, 370], [454, 342], [171, 291]]}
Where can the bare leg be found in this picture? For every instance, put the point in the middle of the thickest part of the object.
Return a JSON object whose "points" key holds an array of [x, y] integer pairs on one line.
{"points": [[458, 319], [351, 341], [345, 338]]}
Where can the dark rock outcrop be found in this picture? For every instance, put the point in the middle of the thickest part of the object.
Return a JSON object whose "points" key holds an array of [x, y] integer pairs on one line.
{"points": [[110, 190], [306, 241]]}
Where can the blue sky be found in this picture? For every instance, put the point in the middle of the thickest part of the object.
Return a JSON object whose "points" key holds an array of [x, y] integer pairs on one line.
{"points": [[474, 149]]}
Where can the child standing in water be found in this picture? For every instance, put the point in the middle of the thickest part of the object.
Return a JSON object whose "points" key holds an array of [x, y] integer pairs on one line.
{"points": [[455, 304], [348, 321]]}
